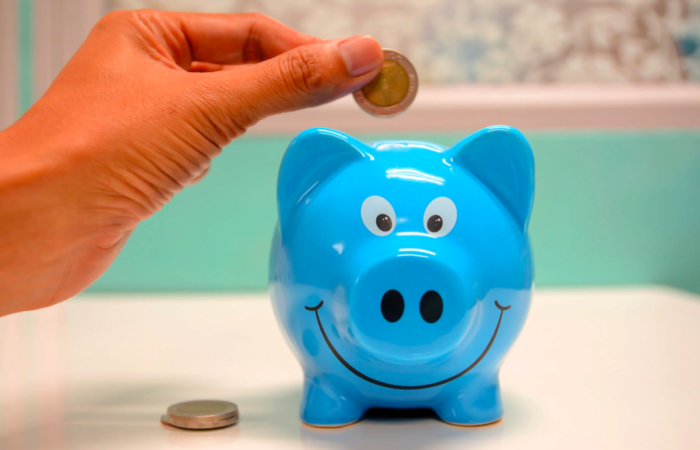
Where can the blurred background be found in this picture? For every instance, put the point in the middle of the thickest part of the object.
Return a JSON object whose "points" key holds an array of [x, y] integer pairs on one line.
{"points": [[607, 92]]}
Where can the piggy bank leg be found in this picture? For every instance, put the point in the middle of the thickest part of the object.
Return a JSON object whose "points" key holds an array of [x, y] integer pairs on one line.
{"points": [[324, 405], [476, 402]]}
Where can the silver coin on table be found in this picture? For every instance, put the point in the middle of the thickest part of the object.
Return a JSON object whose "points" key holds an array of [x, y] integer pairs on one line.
{"points": [[201, 414], [198, 425], [393, 90]]}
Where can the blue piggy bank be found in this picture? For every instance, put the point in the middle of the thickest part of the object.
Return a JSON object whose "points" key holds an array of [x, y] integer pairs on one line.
{"points": [[401, 272]]}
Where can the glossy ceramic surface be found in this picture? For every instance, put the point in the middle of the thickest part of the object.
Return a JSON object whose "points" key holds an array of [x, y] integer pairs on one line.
{"points": [[401, 272]]}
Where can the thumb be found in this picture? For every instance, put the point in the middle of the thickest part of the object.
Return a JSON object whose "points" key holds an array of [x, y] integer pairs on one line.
{"points": [[305, 76]]}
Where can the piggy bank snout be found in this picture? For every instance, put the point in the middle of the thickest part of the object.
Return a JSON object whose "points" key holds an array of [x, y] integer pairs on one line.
{"points": [[409, 308], [393, 306]]}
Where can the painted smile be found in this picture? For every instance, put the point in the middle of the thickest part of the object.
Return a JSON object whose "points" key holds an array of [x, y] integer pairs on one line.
{"points": [[396, 386]]}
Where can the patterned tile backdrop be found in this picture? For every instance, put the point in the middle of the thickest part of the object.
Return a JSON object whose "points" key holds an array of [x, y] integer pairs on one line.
{"points": [[501, 41]]}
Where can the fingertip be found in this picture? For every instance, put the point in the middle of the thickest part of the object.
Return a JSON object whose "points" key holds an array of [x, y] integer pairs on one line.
{"points": [[361, 54], [200, 177]]}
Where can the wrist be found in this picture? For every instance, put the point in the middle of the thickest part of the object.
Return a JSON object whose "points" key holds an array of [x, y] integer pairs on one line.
{"points": [[36, 239]]}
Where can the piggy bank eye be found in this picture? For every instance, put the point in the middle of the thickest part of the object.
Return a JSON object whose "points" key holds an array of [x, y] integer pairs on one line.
{"points": [[440, 216], [378, 215]]}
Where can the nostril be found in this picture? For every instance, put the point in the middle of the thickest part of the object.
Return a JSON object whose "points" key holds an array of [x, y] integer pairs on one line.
{"points": [[431, 307], [392, 305]]}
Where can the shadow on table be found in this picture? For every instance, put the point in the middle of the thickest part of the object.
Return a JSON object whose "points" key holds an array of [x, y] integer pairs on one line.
{"points": [[275, 415]]}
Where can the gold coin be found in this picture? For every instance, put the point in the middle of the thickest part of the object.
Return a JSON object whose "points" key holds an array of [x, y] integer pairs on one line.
{"points": [[390, 86], [392, 90]]}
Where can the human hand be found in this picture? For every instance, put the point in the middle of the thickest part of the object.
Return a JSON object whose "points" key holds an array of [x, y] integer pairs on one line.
{"points": [[136, 115]]}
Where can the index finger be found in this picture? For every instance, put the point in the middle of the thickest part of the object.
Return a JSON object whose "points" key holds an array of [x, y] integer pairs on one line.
{"points": [[222, 38]]}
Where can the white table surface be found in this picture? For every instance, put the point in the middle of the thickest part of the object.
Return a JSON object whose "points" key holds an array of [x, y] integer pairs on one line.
{"points": [[593, 369]]}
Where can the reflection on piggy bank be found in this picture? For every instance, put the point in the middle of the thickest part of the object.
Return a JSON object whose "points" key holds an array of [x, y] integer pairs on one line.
{"points": [[401, 271]]}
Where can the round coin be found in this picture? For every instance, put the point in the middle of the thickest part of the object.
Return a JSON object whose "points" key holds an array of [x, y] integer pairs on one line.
{"points": [[393, 90], [202, 411], [194, 425]]}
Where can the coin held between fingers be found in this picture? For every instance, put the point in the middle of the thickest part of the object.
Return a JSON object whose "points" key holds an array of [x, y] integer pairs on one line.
{"points": [[393, 90]]}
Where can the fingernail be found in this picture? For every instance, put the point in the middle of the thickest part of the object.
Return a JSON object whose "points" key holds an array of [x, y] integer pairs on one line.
{"points": [[360, 55]]}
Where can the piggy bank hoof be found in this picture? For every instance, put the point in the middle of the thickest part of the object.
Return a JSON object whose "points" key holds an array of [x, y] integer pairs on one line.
{"points": [[472, 407], [316, 425], [323, 406], [468, 418], [470, 425]]}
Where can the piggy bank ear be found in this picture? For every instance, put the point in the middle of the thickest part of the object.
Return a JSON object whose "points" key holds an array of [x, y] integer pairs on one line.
{"points": [[501, 158], [312, 157]]}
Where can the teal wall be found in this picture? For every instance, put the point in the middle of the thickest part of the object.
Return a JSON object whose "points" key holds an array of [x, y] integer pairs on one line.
{"points": [[610, 208]]}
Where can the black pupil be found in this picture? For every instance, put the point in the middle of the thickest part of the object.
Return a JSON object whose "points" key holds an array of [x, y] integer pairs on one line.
{"points": [[434, 223], [384, 222]]}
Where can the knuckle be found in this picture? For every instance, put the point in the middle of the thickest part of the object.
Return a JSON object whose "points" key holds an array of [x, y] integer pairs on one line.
{"points": [[305, 71], [113, 18], [121, 19], [148, 17], [218, 124], [257, 17]]}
